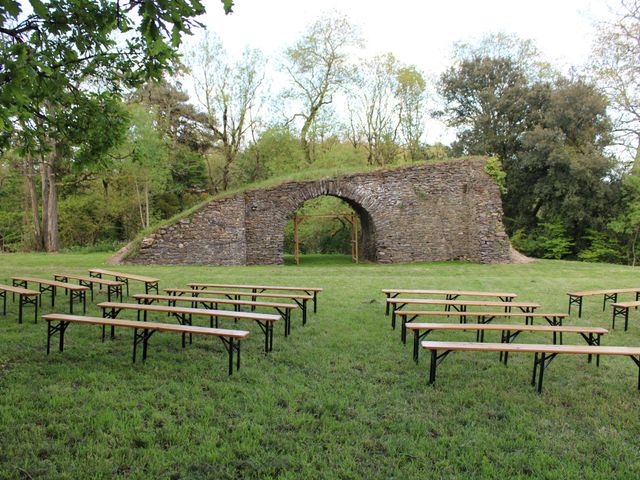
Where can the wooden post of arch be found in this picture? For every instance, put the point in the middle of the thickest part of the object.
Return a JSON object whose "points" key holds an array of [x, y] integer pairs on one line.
{"points": [[350, 217]]}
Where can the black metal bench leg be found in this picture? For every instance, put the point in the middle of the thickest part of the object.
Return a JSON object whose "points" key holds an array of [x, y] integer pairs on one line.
{"points": [[535, 369], [304, 311], [230, 356], [21, 303], [432, 367], [541, 374], [416, 345], [626, 319], [49, 333], [315, 302], [135, 343]]}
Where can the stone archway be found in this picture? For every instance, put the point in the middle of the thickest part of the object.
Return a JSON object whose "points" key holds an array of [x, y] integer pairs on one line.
{"points": [[367, 234], [428, 212]]}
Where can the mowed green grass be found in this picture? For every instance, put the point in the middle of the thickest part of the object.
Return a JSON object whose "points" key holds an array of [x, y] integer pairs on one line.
{"points": [[341, 398]]}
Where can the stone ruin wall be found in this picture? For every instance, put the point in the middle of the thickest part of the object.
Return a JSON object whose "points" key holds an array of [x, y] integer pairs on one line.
{"points": [[427, 212]]}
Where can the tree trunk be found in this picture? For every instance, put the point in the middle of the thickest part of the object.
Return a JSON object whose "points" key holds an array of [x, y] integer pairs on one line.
{"points": [[30, 183], [306, 146], [44, 193], [139, 201], [146, 203], [53, 244]]}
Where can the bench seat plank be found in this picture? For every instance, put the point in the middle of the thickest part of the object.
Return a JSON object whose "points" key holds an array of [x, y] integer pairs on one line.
{"points": [[257, 287], [114, 287], [25, 297], [262, 288], [130, 276], [450, 294], [544, 354], [283, 309], [622, 309], [78, 292], [53, 283], [460, 305], [150, 283], [301, 300], [575, 298], [183, 315], [513, 330], [230, 338]]}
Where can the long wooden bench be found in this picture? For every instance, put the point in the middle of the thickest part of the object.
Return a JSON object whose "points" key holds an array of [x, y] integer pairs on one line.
{"points": [[184, 314], [457, 305], [150, 283], [544, 354], [58, 324], [25, 297], [78, 292], [301, 300], [408, 316], [284, 309], [113, 287], [449, 294], [591, 335], [622, 309], [575, 298], [262, 288]]}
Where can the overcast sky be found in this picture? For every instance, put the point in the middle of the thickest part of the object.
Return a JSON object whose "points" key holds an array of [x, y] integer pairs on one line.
{"points": [[419, 32]]}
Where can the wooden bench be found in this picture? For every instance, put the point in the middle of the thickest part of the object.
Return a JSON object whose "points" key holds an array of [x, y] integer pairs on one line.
{"points": [[184, 314], [78, 292], [591, 335], [457, 305], [58, 323], [575, 298], [284, 309], [622, 308], [449, 294], [482, 317], [25, 297], [301, 300], [262, 288], [150, 283], [544, 354], [113, 287]]}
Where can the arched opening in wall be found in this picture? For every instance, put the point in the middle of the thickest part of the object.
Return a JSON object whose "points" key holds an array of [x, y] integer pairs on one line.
{"points": [[328, 227]]}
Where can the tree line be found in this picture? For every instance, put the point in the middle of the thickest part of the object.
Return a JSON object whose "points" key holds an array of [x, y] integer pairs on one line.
{"points": [[100, 139]]}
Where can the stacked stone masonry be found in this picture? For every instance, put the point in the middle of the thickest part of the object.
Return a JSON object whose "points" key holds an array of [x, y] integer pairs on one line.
{"points": [[428, 212]]}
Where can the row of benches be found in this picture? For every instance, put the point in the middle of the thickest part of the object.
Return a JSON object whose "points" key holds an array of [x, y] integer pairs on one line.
{"points": [[543, 353], [58, 323], [620, 309]]}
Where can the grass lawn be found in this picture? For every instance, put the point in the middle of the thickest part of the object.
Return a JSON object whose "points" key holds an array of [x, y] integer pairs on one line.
{"points": [[341, 398]]}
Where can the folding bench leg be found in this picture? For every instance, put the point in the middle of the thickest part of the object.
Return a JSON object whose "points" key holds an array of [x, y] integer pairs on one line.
{"points": [[59, 328], [542, 363]]}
